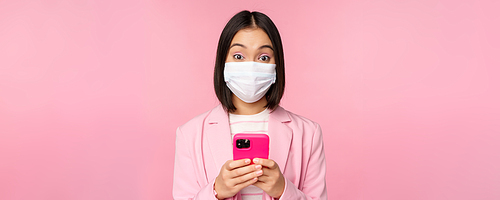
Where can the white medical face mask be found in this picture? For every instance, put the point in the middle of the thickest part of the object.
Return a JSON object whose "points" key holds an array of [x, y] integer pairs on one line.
{"points": [[249, 81]]}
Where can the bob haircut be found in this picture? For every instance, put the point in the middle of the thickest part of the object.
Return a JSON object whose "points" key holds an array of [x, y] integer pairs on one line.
{"points": [[242, 20]]}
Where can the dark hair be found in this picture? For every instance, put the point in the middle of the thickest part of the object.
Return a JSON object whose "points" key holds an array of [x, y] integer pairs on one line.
{"points": [[242, 20]]}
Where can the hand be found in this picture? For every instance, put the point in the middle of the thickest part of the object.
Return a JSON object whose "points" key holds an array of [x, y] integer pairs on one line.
{"points": [[234, 176], [271, 181]]}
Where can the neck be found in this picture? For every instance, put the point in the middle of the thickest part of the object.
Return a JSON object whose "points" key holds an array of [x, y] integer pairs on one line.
{"points": [[243, 108]]}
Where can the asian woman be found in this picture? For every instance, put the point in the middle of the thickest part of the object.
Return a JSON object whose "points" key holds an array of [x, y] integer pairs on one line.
{"points": [[249, 81]]}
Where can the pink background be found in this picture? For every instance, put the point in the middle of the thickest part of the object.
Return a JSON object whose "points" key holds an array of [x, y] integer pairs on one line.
{"points": [[406, 92]]}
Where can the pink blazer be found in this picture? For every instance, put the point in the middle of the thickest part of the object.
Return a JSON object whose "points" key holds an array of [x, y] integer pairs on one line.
{"points": [[203, 145]]}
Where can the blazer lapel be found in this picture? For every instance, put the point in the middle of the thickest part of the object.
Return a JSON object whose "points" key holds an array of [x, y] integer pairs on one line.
{"points": [[280, 136], [219, 137]]}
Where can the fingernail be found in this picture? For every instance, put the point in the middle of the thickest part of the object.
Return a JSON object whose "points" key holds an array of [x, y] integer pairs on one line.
{"points": [[247, 161], [259, 172], [258, 166], [255, 160]]}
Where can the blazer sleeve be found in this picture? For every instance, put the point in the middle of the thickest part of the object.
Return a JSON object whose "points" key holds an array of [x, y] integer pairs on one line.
{"points": [[186, 185], [314, 185]]}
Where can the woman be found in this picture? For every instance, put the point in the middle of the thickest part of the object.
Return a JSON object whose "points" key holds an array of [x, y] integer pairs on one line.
{"points": [[249, 80]]}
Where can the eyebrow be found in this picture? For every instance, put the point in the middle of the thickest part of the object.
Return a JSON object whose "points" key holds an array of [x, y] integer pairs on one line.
{"points": [[261, 47]]}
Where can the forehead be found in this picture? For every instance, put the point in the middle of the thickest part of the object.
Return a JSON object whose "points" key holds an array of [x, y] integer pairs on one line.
{"points": [[252, 37]]}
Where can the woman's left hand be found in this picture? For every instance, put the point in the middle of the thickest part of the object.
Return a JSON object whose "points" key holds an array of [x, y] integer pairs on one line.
{"points": [[271, 180]]}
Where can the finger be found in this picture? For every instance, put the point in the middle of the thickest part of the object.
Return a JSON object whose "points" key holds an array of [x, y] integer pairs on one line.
{"points": [[266, 173], [245, 170], [244, 178], [237, 163], [260, 184], [263, 178], [246, 183], [266, 163]]}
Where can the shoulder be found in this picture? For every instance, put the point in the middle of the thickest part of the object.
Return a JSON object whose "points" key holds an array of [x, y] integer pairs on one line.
{"points": [[197, 122], [306, 133], [201, 118], [296, 120]]}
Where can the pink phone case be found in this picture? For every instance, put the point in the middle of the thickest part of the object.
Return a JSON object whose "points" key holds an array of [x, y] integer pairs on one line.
{"points": [[258, 146]]}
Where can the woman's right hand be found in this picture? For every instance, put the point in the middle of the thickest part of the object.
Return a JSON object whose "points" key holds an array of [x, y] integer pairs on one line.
{"points": [[234, 176]]}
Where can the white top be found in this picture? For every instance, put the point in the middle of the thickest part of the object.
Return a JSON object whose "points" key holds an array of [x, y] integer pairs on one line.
{"points": [[253, 124]]}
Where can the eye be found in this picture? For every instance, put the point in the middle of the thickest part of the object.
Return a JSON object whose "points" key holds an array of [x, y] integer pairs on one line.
{"points": [[264, 58], [238, 56]]}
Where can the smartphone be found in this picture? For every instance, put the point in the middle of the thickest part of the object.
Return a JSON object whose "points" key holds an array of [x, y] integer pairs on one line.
{"points": [[250, 146]]}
